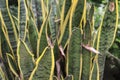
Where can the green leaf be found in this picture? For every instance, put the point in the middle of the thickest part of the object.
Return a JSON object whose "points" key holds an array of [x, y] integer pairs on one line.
{"points": [[52, 23], [110, 20], [91, 17], [107, 32], [64, 13], [25, 60], [5, 38], [0, 39], [42, 41], [33, 36], [13, 65], [63, 27], [4, 49], [74, 55], [79, 12], [94, 71], [44, 66], [22, 18], [86, 55], [9, 23], [67, 7], [37, 12], [13, 10]]}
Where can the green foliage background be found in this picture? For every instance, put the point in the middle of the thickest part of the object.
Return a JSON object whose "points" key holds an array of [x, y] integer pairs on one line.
{"points": [[59, 39]]}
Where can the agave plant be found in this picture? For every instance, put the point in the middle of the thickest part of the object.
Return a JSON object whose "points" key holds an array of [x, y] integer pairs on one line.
{"points": [[54, 40]]}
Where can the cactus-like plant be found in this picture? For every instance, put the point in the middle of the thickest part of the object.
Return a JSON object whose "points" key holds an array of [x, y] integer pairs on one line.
{"points": [[54, 40]]}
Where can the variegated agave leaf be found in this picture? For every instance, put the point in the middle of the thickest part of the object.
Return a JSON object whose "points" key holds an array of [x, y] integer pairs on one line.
{"points": [[9, 24], [86, 55], [13, 65], [52, 24], [25, 60], [64, 14], [79, 12], [37, 12], [44, 66], [74, 55], [22, 19], [107, 32], [33, 36]]}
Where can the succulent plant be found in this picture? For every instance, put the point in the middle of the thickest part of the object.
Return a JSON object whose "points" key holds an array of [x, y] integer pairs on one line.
{"points": [[54, 40]]}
